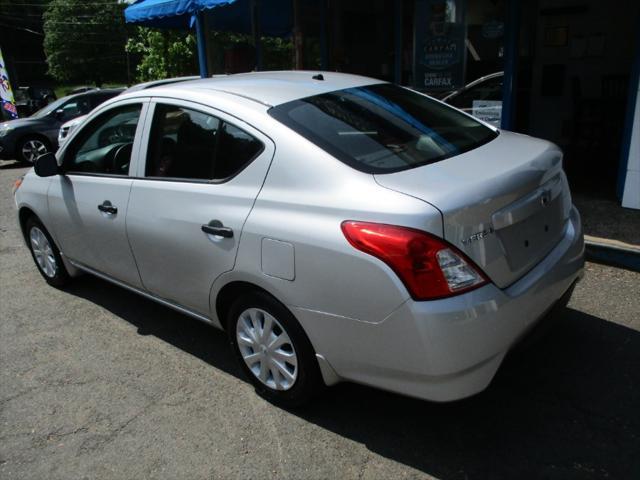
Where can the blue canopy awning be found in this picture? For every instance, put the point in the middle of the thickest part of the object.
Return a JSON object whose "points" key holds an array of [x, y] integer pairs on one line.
{"points": [[230, 15]]}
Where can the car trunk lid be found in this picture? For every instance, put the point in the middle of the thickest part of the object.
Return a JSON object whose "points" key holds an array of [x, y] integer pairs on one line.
{"points": [[504, 204]]}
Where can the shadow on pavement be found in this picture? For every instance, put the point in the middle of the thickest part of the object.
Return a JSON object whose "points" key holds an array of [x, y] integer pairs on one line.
{"points": [[568, 408]]}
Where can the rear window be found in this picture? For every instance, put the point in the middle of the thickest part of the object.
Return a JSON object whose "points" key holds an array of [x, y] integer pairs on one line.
{"points": [[383, 128]]}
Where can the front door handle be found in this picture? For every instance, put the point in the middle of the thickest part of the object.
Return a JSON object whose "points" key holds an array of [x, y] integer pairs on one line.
{"points": [[215, 227], [107, 208]]}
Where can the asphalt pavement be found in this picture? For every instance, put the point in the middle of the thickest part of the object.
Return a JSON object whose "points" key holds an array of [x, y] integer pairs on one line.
{"points": [[96, 382]]}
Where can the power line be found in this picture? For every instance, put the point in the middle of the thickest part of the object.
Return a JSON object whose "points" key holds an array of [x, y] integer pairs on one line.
{"points": [[46, 5], [23, 29], [39, 15], [50, 22]]}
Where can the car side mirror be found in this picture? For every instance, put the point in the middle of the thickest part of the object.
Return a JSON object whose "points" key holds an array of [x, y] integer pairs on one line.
{"points": [[59, 114], [46, 165]]}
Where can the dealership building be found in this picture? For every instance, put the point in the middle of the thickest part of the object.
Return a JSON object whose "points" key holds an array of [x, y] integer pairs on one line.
{"points": [[564, 70]]}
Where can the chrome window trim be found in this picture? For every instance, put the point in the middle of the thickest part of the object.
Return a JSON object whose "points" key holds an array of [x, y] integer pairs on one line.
{"points": [[204, 109], [144, 102]]}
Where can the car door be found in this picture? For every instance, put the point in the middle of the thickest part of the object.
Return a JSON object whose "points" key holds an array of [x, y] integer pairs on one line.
{"points": [[88, 203], [203, 170]]}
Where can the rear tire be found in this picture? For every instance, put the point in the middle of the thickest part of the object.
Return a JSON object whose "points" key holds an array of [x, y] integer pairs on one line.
{"points": [[273, 350], [45, 254]]}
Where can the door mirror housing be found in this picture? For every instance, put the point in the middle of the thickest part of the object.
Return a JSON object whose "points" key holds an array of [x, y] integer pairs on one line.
{"points": [[59, 114], [46, 165]]}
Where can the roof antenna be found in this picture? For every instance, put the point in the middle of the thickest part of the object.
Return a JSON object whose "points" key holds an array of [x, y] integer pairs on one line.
{"points": [[318, 77]]}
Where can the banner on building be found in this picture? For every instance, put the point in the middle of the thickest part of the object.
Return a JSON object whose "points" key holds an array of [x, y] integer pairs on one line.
{"points": [[440, 48], [8, 106]]}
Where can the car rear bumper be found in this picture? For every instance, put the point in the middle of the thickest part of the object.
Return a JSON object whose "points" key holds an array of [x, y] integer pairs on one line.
{"points": [[448, 349]]}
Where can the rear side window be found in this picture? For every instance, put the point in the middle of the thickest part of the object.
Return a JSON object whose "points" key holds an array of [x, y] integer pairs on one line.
{"points": [[383, 128], [188, 144]]}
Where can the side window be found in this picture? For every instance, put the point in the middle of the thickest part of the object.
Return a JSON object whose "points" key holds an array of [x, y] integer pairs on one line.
{"points": [[187, 144], [235, 150], [98, 98], [105, 145], [74, 108]]}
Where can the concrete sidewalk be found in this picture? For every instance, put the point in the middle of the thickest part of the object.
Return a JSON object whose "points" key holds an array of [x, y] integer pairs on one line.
{"points": [[612, 233]]}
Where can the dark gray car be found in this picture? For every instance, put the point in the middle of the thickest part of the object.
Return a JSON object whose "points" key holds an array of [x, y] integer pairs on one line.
{"points": [[25, 139]]}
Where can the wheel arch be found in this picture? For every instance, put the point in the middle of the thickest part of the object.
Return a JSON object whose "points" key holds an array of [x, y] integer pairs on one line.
{"points": [[229, 292], [26, 212], [23, 215], [36, 135]]}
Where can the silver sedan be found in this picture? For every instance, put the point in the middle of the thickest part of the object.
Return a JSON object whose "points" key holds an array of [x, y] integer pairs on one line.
{"points": [[339, 228]]}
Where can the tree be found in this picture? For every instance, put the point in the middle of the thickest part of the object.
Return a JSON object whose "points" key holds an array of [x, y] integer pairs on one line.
{"points": [[164, 53], [84, 41]]}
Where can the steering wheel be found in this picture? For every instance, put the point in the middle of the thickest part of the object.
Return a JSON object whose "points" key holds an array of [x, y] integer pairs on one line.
{"points": [[120, 158]]}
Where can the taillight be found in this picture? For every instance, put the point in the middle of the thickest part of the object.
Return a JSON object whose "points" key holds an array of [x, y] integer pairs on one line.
{"points": [[429, 267]]}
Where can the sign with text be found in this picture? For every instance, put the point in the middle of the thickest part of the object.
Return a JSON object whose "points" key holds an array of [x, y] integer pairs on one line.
{"points": [[489, 111], [440, 48]]}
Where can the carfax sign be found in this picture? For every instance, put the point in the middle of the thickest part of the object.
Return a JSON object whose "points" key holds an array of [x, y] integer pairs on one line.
{"points": [[440, 49], [6, 94]]}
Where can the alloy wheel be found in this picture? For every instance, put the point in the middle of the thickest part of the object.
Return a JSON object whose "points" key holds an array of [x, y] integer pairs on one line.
{"points": [[43, 252], [32, 149], [267, 349]]}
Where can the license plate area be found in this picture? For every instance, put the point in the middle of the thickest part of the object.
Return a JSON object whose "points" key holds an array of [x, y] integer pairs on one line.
{"points": [[526, 242]]}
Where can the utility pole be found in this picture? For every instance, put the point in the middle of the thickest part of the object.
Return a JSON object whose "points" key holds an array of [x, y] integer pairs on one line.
{"points": [[298, 43]]}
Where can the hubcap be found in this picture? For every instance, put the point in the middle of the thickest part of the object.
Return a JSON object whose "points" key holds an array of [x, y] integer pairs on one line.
{"points": [[33, 149], [43, 252], [267, 349]]}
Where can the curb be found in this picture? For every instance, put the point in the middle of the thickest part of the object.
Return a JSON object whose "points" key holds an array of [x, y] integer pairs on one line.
{"points": [[612, 252]]}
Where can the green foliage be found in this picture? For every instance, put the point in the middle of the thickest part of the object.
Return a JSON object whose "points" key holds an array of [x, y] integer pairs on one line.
{"points": [[84, 41], [164, 53], [278, 53], [171, 53]]}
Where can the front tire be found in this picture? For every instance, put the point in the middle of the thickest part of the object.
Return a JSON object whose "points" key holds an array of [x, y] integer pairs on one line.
{"points": [[45, 254], [273, 350], [30, 148]]}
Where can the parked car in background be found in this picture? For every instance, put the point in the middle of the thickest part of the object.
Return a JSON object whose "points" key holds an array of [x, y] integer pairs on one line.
{"points": [[24, 139], [81, 89], [336, 226], [481, 98], [68, 127], [29, 99]]}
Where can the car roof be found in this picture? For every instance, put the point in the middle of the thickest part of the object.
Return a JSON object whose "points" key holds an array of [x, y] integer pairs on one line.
{"points": [[102, 90], [273, 88], [114, 91], [157, 83]]}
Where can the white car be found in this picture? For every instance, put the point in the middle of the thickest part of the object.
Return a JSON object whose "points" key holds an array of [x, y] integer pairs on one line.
{"points": [[67, 128], [336, 226]]}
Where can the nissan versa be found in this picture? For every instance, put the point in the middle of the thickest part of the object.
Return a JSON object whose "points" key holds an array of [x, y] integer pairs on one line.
{"points": [[336, 226]]}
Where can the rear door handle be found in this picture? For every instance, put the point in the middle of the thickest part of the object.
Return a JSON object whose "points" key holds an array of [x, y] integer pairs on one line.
{"points": [[215, 227], [107, 208]]}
